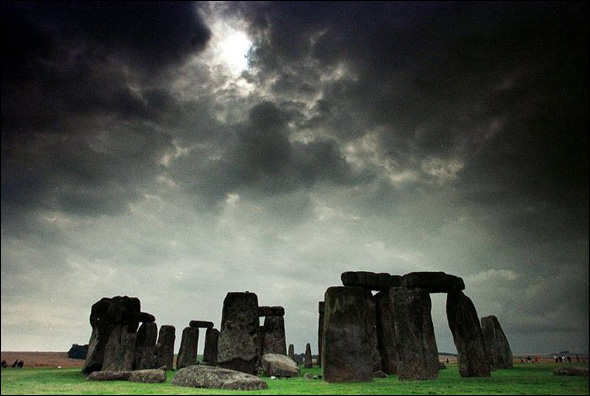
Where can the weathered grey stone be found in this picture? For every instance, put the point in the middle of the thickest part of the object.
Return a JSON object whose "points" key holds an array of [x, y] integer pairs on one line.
{"points": [[201, 324], [187, 354], [434, 282], [496, 343], [211, 341], [275, 364], [386, 333], [148, 376], [571, 371], [414, 334], [144, 345], [164, 350], [307, 360], [370, 280], [109, 376], [291, 352], [379, 374], [145, 317], [238, 347], [308, 376], [104, 316], [274, 340], [473, 360], [349, 328], [216, 378], [321, 310], [271, 311], [119, 352]]}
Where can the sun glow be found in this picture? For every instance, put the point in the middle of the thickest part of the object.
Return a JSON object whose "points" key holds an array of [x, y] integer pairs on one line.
{"points": [[233, 50]]}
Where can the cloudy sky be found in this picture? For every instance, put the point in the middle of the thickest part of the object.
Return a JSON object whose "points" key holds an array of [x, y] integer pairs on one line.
{"points": [[179, 151]]}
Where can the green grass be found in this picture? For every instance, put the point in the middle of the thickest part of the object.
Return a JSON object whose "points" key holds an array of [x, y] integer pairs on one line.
{"points": [[526, 379]]}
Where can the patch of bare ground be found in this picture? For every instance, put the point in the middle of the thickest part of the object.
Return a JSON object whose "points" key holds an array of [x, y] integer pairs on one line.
{"points": [[42, 359]]}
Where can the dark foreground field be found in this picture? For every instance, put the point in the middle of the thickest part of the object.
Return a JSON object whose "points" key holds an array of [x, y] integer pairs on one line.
{"points": [[524, 379]]}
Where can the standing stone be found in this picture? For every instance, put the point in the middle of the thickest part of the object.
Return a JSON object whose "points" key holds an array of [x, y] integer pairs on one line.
{"points": [[349, 327], [473, 360], [274, 340], [386, 333], [187, 354], [164, 351], [145, 345], [307, 361], [105, 315], [320, 331], [292, 351], [119, 352], [496, 343], [413, 334], [211, 341], [238, 339]]}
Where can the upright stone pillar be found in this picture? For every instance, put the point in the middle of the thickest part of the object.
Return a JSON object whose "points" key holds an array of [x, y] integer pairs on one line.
{"points": [[274, 335], [307, 360], [292, 352], [119, 353], [496, 343], [349, 332], [413, 334], [164, 351], [113, 321], [320, 331], [238, 338], [473, 359], [386, 333], [144, 346], [210, 353], [187, 355]]}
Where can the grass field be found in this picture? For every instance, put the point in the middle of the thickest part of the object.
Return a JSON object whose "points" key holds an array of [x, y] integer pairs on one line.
{"points": [[525, 379]]}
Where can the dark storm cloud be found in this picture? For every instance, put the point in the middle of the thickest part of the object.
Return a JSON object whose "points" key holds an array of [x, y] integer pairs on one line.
{"points": [[437, 75]]}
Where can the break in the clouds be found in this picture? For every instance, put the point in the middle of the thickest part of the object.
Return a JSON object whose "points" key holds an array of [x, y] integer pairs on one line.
{"points": [[176, 151]]}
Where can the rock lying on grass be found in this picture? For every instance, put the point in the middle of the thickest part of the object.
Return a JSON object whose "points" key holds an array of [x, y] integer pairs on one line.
{"points": [[282, 365], [148, 376], [200, 376], [575, 371], [109, 376], [143, 376]]}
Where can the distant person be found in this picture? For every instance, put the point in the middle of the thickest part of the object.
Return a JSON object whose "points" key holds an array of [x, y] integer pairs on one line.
{"points": [[556, 358], [529, 359], [4, 364], [522, 361], [577, 359], [447, 360], [560, 359], [20, 364], [15, 363], [563, 359], [569, 359]]}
